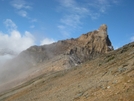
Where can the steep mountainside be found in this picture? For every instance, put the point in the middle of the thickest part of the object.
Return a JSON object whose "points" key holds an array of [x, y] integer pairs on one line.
{"points": [[87, 46], [109, 77], [54, 57]]}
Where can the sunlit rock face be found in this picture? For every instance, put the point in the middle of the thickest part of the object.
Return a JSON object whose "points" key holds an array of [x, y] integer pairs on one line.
{"points": [[92, 44], [98, 40]]}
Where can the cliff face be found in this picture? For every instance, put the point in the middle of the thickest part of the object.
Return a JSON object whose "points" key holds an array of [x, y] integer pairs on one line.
{"points": [[92, 44]]}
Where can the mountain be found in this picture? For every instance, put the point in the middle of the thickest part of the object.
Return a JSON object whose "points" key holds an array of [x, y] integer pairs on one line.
{"points": [[109, 77], [74, 51], [55, 57], [82, 69]]}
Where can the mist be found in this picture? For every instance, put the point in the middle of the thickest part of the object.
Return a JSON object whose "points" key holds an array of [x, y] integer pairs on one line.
{"points": [[13, 41], [5, 58], [14, 63]]}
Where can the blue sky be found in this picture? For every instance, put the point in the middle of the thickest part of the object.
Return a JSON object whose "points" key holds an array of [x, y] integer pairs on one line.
{"points": [[28, 22]]}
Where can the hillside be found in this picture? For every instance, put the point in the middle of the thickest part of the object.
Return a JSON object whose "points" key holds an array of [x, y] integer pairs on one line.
{"points": [[58, 56], [82, 69], [107, 78]]}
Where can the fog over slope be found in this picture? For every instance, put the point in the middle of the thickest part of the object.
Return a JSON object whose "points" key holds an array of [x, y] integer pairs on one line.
{"points": [[54, 57], [13, 42], [109, 77]]}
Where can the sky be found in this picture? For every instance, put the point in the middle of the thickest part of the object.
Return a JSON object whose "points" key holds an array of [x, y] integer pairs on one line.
{"points": [[24, 23]]}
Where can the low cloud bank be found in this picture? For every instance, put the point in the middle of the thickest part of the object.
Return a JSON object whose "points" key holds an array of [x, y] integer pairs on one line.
{"points": [[13, 42], [4, 58], [47, 41]]}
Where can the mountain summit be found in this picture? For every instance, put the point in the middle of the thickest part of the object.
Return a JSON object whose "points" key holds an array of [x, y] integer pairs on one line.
{"points": [[97, 40], [69, 52], [81, 69]]}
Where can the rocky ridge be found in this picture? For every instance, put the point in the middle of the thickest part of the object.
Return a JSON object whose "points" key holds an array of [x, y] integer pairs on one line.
{"points": [[58, 56], [78, 50], [110, 77]]}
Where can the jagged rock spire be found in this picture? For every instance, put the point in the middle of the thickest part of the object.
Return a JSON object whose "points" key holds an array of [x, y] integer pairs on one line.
{"points": [[103, 27]]}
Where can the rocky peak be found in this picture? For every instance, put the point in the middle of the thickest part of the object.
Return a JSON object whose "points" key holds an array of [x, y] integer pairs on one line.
{"points": [[68, 52], [103, 31], [103, 27], [87, 46], [97, 40]]}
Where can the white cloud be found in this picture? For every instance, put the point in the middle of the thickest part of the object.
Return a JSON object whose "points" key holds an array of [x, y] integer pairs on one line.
{"points": [[20, 4], [13, 43], [132, 38], [67, 3], [34, 20], [4, 58], [94, 15], [16, 42], [22, 13], [72, 18], [116, 1], [99, 7], [63, 30], [47, 41], [61, 27], [74, 11], [32, 26], [10, 24]]}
